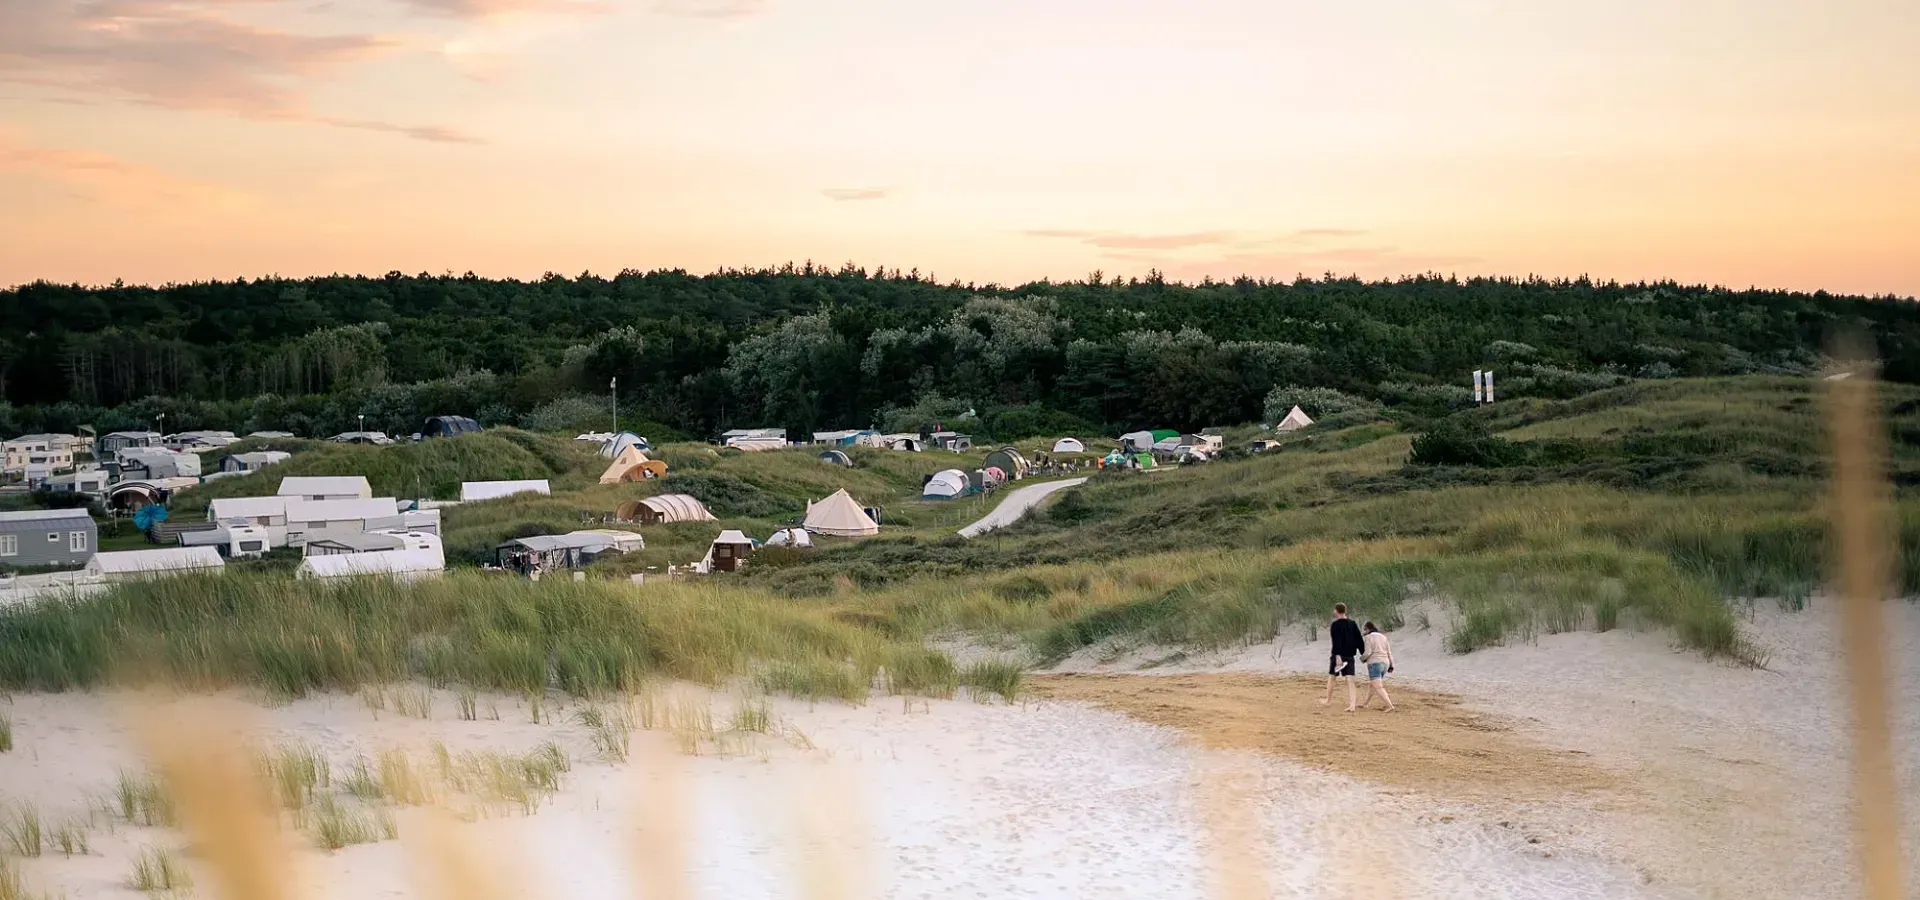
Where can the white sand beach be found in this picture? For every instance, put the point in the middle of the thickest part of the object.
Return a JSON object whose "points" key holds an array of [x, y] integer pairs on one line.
{"points": [[1683, 779]]}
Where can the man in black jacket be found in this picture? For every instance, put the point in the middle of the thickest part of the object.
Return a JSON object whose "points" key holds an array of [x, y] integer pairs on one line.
{"points": [[1347, 647]]}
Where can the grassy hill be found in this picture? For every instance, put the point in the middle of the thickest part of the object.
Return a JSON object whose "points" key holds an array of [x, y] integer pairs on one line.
{"points": [[1665, 505]]}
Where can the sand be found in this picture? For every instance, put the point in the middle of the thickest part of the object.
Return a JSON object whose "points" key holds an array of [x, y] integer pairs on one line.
{"points": [[1582, 765]]}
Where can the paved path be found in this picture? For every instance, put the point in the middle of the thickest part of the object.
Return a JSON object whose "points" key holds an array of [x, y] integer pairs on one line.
{"points": [[1016, 505]]}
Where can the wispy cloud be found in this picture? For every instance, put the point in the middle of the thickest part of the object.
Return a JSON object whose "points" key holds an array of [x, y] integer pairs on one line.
{"points": [[114, 180], [710, 9], [183, 54], [485, 9], [1116, 240], [866, 193]]}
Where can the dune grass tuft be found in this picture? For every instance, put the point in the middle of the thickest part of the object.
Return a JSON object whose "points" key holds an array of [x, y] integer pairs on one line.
{"points": [[25, 833], [157, 871], [143, 800], [6, 733]]}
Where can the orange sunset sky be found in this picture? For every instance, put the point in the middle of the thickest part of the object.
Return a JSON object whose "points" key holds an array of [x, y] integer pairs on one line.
{"points": [[1744, 142]]}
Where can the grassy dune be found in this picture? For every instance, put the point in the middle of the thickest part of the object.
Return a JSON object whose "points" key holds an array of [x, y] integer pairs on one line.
{"points": [[1653, 506]]}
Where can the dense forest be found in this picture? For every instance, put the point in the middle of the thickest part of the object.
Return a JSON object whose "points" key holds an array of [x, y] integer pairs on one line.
{"points": [[810, 348]]}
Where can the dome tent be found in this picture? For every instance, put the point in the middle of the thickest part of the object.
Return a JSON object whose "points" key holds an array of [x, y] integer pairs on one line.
{"points": [[1069, 445], [946, 485], [837, 457], [619, 443]]}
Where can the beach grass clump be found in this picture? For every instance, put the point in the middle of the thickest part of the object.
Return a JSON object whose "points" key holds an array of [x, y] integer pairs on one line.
{"points": [[143, 800], [609, 728], [816, 680], [522, 780], [299, 775], [71, 838], [6, 733], [159, 871], [1000, 677], [335, 824], [25, 832]]}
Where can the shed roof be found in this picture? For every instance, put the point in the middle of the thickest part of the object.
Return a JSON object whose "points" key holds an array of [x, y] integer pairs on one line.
{"points": [[392, 562], [227, 508], [324, 486], [340, 510], [493, 490], [45, 515]]}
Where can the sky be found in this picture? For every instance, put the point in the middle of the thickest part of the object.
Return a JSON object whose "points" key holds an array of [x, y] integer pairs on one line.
{"points": [[1771, 143]]}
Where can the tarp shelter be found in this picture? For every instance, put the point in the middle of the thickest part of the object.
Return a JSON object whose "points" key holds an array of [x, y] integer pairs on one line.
{"points": [[494, 490], [613, 446], [664, 509], [837, 458], [840, 515], [790, 537], [1069, 445], [907, 443], [1008, 460], [946, 485], [1161, 434], [1137, 440], [131, 564], [551, 552], [448, 426], [404, 565], [728, 552], [1296, 419]]}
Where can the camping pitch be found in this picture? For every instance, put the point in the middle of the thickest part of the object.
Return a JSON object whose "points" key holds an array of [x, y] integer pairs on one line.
{"points": [[840, 515]]}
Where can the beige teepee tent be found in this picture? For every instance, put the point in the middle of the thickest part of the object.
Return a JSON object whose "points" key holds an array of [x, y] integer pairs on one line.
{"points": [[628, 458], [840, 515], [1294, 421]]}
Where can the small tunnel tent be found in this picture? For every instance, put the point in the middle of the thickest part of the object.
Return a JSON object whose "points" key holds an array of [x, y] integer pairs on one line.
{"points": [[663, 509], [838, 458], [448, 426]]}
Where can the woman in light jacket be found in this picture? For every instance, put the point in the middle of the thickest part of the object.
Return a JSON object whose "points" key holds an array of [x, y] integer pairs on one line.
{"points": [[1379, 660]]}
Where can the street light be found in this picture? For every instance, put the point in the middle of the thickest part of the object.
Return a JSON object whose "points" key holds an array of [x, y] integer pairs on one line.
{"points": [[162, 427], [613, 387]]}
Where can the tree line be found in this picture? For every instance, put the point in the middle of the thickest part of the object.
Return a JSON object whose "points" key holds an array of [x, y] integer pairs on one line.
{"points": [[808, 348]]}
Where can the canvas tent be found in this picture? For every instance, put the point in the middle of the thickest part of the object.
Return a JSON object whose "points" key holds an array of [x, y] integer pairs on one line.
{"points": [[840, 515], [448, 426], [494, 490], [1069, 445], [633, 465], [905, 442], [1008, 460], [1137, 440], [1296, 419], [838, 458], [664, 509], [946, 485]]}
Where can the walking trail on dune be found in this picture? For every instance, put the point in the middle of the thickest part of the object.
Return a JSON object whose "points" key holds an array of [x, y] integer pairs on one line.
{"points": [[1016, 505]]}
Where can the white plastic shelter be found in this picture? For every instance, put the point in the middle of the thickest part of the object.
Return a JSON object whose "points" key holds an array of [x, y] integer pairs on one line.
{"points": [[400, 564], [790, 537], [1137, 441], [494, 490], [131, 564], [946, 485], [840, 515], [325, 487], [1069, 445]]}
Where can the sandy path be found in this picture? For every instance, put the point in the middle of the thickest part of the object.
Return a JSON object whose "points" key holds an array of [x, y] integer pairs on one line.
{"points": [[1738, 779], [1016, 505]]}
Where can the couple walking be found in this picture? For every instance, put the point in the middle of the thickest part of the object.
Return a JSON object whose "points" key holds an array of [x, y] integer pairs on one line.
{"points": [[1351, 645]]}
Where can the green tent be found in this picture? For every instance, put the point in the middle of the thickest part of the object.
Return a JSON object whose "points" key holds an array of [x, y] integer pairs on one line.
{"points": [[1161, 434], [1145, 459]]}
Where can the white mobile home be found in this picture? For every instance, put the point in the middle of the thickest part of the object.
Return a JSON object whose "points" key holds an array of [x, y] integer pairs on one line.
{"points": [[266, 512], [310, 519], [248, 462]]}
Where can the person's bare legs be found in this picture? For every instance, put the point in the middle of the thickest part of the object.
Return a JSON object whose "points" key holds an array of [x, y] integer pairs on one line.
{"points": [[1328, 699], [1379, 684], [1352, 692], [1368, 702]]}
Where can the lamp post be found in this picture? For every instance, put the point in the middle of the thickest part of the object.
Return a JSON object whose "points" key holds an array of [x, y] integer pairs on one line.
{"points": [[613, 387], [363, 423]]}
